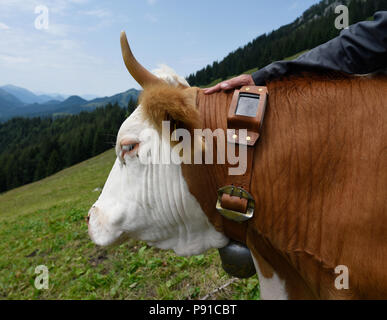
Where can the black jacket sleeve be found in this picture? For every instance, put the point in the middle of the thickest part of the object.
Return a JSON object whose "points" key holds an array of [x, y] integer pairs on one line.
{"points": [[359, 49]]}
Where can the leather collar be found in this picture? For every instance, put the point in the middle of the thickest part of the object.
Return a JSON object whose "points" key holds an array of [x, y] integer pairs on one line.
{"points": [[205, 180]]}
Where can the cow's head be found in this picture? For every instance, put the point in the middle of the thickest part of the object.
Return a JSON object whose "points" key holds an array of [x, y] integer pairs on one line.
{"points": [[151, 202]]}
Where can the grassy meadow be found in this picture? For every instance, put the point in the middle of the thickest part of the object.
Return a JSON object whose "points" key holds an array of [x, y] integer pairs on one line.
{"points": [[43, 224]]}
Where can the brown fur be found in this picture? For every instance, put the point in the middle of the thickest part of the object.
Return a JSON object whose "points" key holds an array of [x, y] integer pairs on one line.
{"points": [[163, 102], [320, 182]]}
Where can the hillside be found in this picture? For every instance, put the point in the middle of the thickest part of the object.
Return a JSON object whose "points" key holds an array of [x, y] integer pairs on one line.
{"points": [[314, 27], [43, 224], [34, 148]]}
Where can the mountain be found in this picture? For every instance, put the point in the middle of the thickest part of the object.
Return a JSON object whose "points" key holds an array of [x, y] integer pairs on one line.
{"points": [[8, 103], [52, 102], [10, 99], [62, 97], [28, 97], [22, 94], [71, 105], [10, 106], [54, 96], [76, 104], [89, 96], [121, 98], [73, 101]]}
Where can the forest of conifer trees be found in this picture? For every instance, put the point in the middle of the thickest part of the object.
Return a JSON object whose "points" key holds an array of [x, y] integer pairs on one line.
{"points": [[31, 149]]}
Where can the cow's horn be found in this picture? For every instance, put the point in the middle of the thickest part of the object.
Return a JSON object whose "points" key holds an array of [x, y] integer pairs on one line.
{"points": [[138, 72]]}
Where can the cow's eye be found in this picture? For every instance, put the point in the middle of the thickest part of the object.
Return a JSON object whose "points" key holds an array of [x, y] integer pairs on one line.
{"points": [[130, 149]]}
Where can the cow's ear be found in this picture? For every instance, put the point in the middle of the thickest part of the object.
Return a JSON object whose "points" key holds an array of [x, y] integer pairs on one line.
{"points": [[175, 104]]}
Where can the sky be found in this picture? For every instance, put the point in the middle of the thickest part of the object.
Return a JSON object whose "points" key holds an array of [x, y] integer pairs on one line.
{"points": [[79, 51]]}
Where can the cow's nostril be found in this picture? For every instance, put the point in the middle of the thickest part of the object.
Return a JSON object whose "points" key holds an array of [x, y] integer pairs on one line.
{"points": [[87, 219]]}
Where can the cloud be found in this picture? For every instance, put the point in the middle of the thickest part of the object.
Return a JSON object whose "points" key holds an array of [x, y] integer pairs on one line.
{"points": [[59, 58], [3, 26], [42, 49]]}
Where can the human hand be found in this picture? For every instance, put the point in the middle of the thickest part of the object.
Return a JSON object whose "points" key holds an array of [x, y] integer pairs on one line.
{"points": [[242, 80]]}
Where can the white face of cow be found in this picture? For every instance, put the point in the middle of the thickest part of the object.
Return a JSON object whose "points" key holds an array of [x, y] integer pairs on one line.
{"points": [[150, 202]]}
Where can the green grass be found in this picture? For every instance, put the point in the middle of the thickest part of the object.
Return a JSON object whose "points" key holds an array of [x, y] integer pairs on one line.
{"points": [[43, 224]]}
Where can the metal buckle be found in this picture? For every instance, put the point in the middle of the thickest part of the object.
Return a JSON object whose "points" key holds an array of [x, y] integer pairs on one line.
{"points": [[231, 214]]}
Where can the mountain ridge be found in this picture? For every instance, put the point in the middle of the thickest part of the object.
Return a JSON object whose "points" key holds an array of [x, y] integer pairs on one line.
{"points": [[11, 106], [27, 96]]}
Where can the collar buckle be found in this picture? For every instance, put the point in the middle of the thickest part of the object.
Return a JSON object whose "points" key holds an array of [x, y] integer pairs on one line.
{"points": [[235, 203]]}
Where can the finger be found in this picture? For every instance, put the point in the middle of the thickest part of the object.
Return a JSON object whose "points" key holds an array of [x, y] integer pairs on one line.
{"points": [[226, 85], [212, 89], [220, 86], [237, 82], [232, 83], [242, 80]]}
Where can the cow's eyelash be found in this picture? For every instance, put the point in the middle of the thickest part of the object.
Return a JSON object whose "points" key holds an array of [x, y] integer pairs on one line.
{"points": [[129, 147]]}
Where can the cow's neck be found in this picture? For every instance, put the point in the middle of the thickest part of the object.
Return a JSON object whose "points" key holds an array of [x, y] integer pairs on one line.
{"points": [[273, 155], [307, 169], [289, 145]]}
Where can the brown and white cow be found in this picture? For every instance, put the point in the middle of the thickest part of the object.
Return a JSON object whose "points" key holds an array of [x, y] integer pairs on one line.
{"points": [[320, 180]]}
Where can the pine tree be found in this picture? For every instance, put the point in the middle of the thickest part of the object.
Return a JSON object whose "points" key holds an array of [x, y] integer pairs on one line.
{"points": [[98, 142], [3, 181], [53, 163]]}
